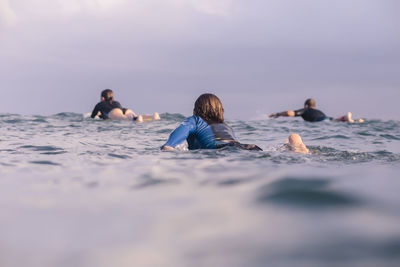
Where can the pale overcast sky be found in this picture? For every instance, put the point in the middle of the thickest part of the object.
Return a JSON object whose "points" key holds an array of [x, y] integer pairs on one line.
{"points": [[258, 56]]}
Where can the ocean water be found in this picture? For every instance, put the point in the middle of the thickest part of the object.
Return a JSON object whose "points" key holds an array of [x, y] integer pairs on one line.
{"points": [[83, 193]]}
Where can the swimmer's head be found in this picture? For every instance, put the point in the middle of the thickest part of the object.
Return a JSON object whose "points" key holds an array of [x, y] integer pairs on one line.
{"points": [[209, 108], [107, 95], [310, 103]]}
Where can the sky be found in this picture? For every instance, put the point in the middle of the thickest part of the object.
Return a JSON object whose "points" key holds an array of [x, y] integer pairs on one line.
{"points": [[258, 56]]}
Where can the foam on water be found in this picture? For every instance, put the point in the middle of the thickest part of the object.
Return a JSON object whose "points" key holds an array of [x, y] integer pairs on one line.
{"points": [[81, 192]]}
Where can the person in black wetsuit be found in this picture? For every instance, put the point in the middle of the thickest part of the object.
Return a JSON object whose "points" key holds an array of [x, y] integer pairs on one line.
{"points": [[308, 113], [108, 108], [107, 104]]}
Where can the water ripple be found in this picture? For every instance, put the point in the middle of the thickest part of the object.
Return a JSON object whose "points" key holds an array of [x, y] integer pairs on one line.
{"points": [[41, 148], [44, 162], [306, 193]]}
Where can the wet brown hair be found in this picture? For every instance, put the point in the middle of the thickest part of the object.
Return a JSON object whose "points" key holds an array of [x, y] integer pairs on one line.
{"points": [[108, 95], [310, 103], [209, 108]]}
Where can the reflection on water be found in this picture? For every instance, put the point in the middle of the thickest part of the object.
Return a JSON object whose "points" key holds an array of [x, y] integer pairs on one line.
{"points": [[81, 192]]}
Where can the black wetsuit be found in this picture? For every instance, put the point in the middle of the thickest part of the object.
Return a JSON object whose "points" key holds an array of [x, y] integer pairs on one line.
{"points": [[310, 114], [105, 107]]}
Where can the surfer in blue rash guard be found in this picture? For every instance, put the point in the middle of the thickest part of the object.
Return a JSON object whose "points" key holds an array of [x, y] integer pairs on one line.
{"points": [[206, 129]]}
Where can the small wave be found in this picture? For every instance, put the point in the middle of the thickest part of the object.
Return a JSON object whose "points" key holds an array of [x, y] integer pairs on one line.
{"points": [[234, 182], [39, 119], [6, 164], [54, 153], [337, 136], [288, 158], [119, 156], [7, 150], [151, 182], [13, 121], [45, 162], [386, 156], [304, 192], [68, 115], [264, 156], [352, 156], [352, 248], [241, 125], [332, 154], [42, 148], [6, 115], [390, 137], [172, 116], [163, 131], [364, 133], [75, 126]]}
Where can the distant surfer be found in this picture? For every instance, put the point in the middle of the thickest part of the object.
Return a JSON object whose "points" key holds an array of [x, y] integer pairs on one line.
{"points": [[206, 129], [311, 114], [308, 113], [108, 108]]}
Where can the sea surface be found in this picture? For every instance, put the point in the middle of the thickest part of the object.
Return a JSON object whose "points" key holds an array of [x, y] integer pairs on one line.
{"points": [[77, 192]]}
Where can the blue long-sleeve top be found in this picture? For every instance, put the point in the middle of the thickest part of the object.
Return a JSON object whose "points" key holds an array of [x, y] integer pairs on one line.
{"points": [[201, 135]]}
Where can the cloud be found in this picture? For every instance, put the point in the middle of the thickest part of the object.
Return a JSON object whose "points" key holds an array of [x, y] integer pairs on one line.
{"points": [[7, 15]]}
